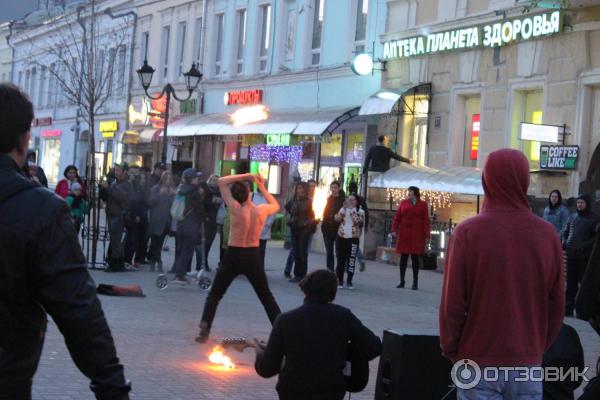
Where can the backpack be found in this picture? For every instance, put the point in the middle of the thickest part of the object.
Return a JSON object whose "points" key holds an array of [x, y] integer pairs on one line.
{"points": [[178, 208]]}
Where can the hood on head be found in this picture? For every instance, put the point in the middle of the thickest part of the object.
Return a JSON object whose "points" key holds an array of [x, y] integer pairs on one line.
{"points": [[588, 202], [505, 180]]}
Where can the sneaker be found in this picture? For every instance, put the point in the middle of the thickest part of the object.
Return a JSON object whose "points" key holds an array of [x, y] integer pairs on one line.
{"points": [[180, 281], [340, 286], [296, 279], [350, 286], [287, 275], [191, 274], [131, 268]]}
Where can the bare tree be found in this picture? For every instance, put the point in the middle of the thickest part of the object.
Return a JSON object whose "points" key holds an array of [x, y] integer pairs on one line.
{"points": [[84, 46]]}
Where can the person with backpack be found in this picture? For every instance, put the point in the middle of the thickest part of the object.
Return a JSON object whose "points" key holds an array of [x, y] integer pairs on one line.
{"points": [[188, 211], [160, 202], [78, 205], [44, 272]]}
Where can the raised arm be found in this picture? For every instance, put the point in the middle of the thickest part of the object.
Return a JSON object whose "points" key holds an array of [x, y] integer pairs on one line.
{"points": [[398, 157], [272, 205], [224, 183]]}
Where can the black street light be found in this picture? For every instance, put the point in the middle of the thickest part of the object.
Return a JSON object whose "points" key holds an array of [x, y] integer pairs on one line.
{"points": [[192, 79]]}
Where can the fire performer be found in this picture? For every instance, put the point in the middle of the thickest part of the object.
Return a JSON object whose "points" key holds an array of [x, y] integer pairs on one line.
{"points": [[243, 252]]}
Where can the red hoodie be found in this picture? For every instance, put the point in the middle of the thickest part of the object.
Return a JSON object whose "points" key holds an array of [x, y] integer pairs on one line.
{"points": [[503, 298]]}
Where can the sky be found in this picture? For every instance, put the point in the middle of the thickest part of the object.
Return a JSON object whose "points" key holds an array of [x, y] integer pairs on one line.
{"points": [[15, 9]]}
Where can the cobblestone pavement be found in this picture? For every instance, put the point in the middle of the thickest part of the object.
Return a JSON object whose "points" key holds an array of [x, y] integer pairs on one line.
{"points": [[155, 334]]}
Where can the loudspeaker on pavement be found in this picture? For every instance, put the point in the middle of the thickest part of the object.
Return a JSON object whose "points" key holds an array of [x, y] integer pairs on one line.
{"points": [[412, 367]]}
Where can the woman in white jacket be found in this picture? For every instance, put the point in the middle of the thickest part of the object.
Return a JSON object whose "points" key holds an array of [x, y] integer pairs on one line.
{"points": [[352, 218]]}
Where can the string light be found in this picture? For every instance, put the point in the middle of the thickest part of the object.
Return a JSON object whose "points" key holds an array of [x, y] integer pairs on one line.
{"points": [[437, 200], [277, 154]]}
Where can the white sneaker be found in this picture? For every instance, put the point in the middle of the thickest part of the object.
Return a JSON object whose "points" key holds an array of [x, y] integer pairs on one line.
{"points": [[192, 273], [350, 287], [340, 286]]}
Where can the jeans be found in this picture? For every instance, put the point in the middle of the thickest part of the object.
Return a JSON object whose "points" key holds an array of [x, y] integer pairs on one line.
{"points": [[575, 269], [115, 229], [329, 242], [183, 257], [300, 241], [346, 252], [292, 257], [239, 261], [135, 241], [404, 265], [501, 390], [156, 245]]}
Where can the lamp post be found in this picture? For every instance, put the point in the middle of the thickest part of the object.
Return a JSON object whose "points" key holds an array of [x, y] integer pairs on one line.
{"points": [[192, 79]]}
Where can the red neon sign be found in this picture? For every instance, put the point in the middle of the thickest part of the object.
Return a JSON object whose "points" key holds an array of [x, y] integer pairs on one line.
{"points": [[475, 127], [243, 97], [157, 114], [51, 133]]}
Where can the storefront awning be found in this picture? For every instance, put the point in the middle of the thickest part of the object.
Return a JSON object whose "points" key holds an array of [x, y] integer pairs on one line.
{"points": [[302, 122], [384, 101], [143, 136], [459, 180]]}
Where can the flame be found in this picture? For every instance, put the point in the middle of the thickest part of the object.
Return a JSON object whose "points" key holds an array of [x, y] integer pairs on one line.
{"points": [[250, 114], [218, 357], [320, 201]]}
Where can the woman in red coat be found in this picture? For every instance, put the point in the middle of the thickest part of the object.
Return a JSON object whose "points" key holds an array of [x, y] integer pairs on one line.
{"points": [[411, 225], [63, 189]]}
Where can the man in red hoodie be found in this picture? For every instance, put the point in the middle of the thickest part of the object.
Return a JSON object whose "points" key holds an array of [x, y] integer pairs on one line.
{"points": [[503, 296]]}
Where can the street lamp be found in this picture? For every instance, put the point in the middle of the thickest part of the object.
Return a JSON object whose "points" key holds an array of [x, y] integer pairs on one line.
{"points": [[192, 79]]}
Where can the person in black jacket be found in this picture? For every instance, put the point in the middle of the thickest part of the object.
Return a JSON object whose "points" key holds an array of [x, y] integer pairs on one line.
{"points": [[313, 339], [566, 352], [578, 238], [330, 226], [379, 156], [43, 271], [136, 222], [212, 203], [117, 196], [39, 173], [302, 225]]}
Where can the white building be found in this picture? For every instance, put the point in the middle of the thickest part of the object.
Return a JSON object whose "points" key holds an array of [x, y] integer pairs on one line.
{"points": [[47, 45]]}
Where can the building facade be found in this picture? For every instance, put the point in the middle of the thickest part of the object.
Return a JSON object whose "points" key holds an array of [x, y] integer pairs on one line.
{"points": [[502, 76], [48, 50], [5, 54]]}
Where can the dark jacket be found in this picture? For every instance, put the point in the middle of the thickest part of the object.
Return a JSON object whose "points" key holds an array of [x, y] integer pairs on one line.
{"points": [[588, 298], [301, 215], [566, 352], [42, 270], [378, 158], [210, 207], [330, 226], [579, 234], [194, 210], [138, 203], [313, 339], [117, 197], [160, 211]]}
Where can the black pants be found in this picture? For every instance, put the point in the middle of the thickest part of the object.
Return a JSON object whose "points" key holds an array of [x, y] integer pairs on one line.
{"points": [[404, 265], [575, 269], [239, 261], [185, 253], [263, 250], [134, 241], [300, 246], [329, 242], [221, 243], [346, 252], [210, 232], [156, 245]]}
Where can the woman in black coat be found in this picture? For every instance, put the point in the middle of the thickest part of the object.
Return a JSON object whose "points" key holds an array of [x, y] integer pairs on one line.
{"points": [[159, 223], [302, 223]]}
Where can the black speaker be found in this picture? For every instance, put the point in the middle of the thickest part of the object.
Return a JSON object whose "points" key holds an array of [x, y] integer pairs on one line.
{"points": [[412, 367]]}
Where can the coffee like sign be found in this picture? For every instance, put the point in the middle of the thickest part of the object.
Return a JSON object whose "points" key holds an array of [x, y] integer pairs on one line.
{"points": [[492, 35], [558, 157]]}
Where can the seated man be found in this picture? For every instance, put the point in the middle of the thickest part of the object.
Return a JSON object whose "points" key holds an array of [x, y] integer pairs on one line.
{"points": [[314, 338]]}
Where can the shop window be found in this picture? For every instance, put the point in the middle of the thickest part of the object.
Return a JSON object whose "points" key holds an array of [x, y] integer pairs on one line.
{"points": [[51, 160], [328, 174], [331, 149], [230, 151], [355, 148], [306, 169], [527, 107], [472, 126], [274, 183]]}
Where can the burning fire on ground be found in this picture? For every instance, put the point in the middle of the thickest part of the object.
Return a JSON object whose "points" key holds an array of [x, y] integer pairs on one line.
{"points": [[217, 356]]}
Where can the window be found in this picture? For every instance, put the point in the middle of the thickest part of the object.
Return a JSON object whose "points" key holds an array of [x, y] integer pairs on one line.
{"points": [[26, 84], [4, 77], [51, 159], [472, 124], [110, 69], [121, 73], [144, 47], [51, 86], [181, 31], [199, 34], [219, 51], [166, 32], [32, 84], [318, 9], [41, 88], [265, 23], [20, 81], [290, 41], [362, 13], [241, 44], [527, 107]]}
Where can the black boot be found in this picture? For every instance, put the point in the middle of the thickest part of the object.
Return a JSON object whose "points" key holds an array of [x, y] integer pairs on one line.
{"points": [[204, 333], [401, 284], [402, 281], [415, 285]]}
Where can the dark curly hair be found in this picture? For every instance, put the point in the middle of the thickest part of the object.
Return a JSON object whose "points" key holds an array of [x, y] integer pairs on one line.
{"points": [[16, 114], [240, 191]]}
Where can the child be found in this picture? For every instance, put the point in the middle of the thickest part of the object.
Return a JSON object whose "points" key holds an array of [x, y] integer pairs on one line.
{"points": [[78, 205]]}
